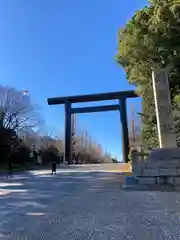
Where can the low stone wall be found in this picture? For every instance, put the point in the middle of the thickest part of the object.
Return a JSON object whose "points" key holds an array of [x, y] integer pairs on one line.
{"points": [[161, 167]]}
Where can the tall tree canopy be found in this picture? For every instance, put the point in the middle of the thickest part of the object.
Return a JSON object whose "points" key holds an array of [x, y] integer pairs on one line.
{"points": [[150, 40]]}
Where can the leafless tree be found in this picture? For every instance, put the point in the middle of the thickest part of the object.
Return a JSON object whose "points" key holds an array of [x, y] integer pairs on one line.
{"points": [[16, 110]]}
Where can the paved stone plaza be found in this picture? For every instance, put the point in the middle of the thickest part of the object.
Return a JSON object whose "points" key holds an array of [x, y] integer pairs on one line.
{"points": [[82, 205]]}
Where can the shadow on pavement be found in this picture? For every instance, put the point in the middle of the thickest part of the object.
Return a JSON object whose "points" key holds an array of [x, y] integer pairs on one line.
{"points": [[40, 201], [31, 196]]}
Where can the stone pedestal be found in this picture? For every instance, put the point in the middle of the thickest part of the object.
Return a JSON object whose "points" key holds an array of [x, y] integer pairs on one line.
{"points": [[161, 167]]}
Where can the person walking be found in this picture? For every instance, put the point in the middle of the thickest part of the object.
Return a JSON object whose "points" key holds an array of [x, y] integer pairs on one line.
{"points": [[53, 167], [9, 170]]}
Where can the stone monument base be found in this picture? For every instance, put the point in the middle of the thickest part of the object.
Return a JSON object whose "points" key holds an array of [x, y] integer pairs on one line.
{"points": [[162, 167]]}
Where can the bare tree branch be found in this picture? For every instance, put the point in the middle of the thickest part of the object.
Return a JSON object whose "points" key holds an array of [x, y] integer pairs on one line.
{"points": [[16, 110]]}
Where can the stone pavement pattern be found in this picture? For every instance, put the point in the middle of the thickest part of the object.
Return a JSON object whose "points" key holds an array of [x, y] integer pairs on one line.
{"points": [[81, 205]]}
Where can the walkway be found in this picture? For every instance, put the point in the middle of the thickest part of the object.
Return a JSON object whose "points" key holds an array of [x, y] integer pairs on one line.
{"points": [[83, 206]]}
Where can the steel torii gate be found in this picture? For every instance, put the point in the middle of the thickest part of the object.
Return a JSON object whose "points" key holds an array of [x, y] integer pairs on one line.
{"points": [[68, 101]]}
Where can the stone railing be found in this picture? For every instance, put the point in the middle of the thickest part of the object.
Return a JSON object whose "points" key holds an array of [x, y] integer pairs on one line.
{"points": [[138, 160], [139, 156]]}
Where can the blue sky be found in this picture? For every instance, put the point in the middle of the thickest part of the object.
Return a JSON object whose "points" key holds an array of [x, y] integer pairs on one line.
{"points": [[65, 47]]}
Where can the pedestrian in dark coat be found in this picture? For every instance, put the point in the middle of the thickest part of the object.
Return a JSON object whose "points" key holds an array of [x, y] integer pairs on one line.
{"points": [[53, 167], [9, 169]]}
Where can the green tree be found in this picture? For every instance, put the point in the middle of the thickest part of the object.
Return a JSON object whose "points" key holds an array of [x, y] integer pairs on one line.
{"points": [[150, 40]]}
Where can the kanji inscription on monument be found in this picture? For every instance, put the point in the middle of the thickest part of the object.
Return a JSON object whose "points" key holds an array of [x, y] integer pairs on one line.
{"points": [[162, 97]]}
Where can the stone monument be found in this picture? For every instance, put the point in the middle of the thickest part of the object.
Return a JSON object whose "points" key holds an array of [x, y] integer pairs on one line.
{"points": [[162, 166], [164, 115]]}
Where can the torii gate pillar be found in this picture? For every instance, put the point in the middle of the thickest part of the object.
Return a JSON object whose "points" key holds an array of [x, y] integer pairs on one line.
{"points": [[124, 131], [68, 133]]}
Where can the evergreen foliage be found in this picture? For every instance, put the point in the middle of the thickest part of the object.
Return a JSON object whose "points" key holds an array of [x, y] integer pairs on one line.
{"points": [[150, 40]]}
